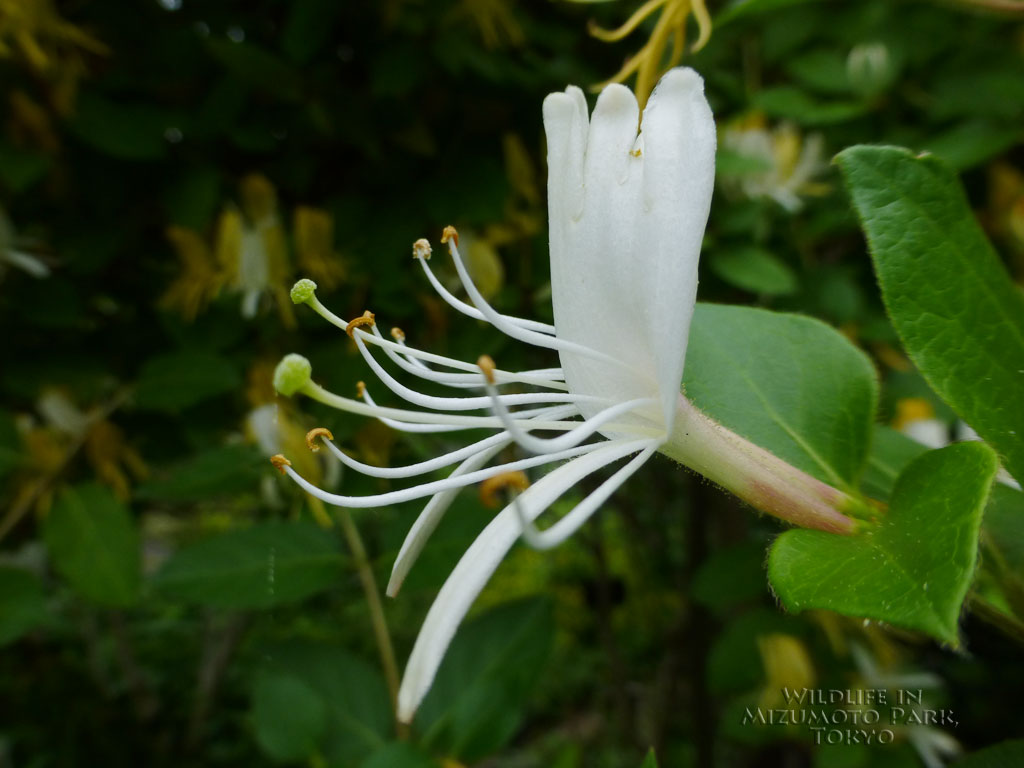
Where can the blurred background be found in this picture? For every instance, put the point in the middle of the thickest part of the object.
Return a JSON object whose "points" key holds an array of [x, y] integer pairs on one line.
{"points": [[168, 168]]}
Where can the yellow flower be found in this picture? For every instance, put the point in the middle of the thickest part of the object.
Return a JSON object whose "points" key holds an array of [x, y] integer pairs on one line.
{"points": [[198, 280], [494, 21], [32, 32], [252, 251], [649, 62], [313, 232], [787, 664]]}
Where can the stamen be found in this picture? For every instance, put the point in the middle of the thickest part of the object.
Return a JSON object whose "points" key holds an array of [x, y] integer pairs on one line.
{"points": [[447, 421], [366, 319], [579, 514], [460, 403], [313, 434], [489, 488], [421, 249], [450, 234], [398, 334], [428, 520], [280, 462], [407, 362], [438, 462], [436, 486], [487, 367], [518, 332]]}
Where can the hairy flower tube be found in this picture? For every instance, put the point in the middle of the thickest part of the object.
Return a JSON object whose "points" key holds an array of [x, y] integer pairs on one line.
{"points": [[627, 212]]}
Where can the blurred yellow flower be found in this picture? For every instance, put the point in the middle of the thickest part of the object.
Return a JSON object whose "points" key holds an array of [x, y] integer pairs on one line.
{"points": [[198, 280], [313, 232], [494, 21], [32, 32], [787, 664], [648, 64]]}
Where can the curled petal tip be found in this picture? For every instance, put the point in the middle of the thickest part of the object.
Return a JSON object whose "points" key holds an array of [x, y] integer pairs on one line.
{"points": [[313, 434]]}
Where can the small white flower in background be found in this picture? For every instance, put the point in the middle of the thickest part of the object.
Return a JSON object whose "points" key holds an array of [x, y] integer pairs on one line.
{"points": [[784, 165], [627, 213], [12, 253]]}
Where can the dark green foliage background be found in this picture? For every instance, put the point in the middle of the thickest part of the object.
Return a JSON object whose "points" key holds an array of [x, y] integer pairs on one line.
{"points": [[390, 116]]}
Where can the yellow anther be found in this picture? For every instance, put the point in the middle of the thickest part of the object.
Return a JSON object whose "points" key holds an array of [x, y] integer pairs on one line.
{"points": [[398, 334], [313, 434], [636, 152], [450, 233], [360, 389], [421, 249], [280, 462], [489, 488], [487, 367], [359, 322]]}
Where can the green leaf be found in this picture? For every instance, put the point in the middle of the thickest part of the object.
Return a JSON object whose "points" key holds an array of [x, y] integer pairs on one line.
{"points": [[177, 380], [124, 131], [793, 104], [94, 545], [651, 761], [915, 568], [891, 452], [951, 300], [756, 270], [269, 564], [1008, 754], [22, 603], [789, 383], [360, 720], [288, 716], [400, 755], [973, 142], [229, 469], [478, 698]]}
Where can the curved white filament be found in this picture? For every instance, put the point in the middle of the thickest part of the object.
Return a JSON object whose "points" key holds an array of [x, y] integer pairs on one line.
{"points": [[428, 520], [438, 462], [429, 489], [568, 525], [480, 561], [460, 403], [471, 311]]}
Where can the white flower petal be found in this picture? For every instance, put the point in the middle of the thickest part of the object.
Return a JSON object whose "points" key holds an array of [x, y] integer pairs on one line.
{"points": [[478, 563]]}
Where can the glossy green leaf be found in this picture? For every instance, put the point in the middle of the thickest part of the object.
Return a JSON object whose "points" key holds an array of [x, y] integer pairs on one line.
{"points": [[400, 755], [651, 761], [94, 545], [22, 603], [915, 568], [891, 452], [951, 300], [289, 718], [789, 383], [175, 381], [478, 698], [756, 270], [269, 564]]}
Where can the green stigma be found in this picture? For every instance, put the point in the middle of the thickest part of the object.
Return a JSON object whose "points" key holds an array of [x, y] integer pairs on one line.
{"points": [[303, 291], [292, 373]]}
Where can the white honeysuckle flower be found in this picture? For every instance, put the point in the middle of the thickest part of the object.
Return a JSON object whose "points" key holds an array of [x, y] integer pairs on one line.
{"points": [[627, 212]]}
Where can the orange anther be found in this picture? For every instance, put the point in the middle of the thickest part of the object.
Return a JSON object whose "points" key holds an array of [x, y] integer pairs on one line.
{"points": [[421, 249], [487, 367], [398, 334], [313, 434], [280, 462], [366, 319], [489, 488], [450, 233]]}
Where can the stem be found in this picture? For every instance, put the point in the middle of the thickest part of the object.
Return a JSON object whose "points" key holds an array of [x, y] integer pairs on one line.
{"points": [[369, 582], [758, 477]]}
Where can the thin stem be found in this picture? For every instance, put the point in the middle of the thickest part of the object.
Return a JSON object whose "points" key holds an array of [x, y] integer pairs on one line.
{"points": [[758, 477], [369, 583]]}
